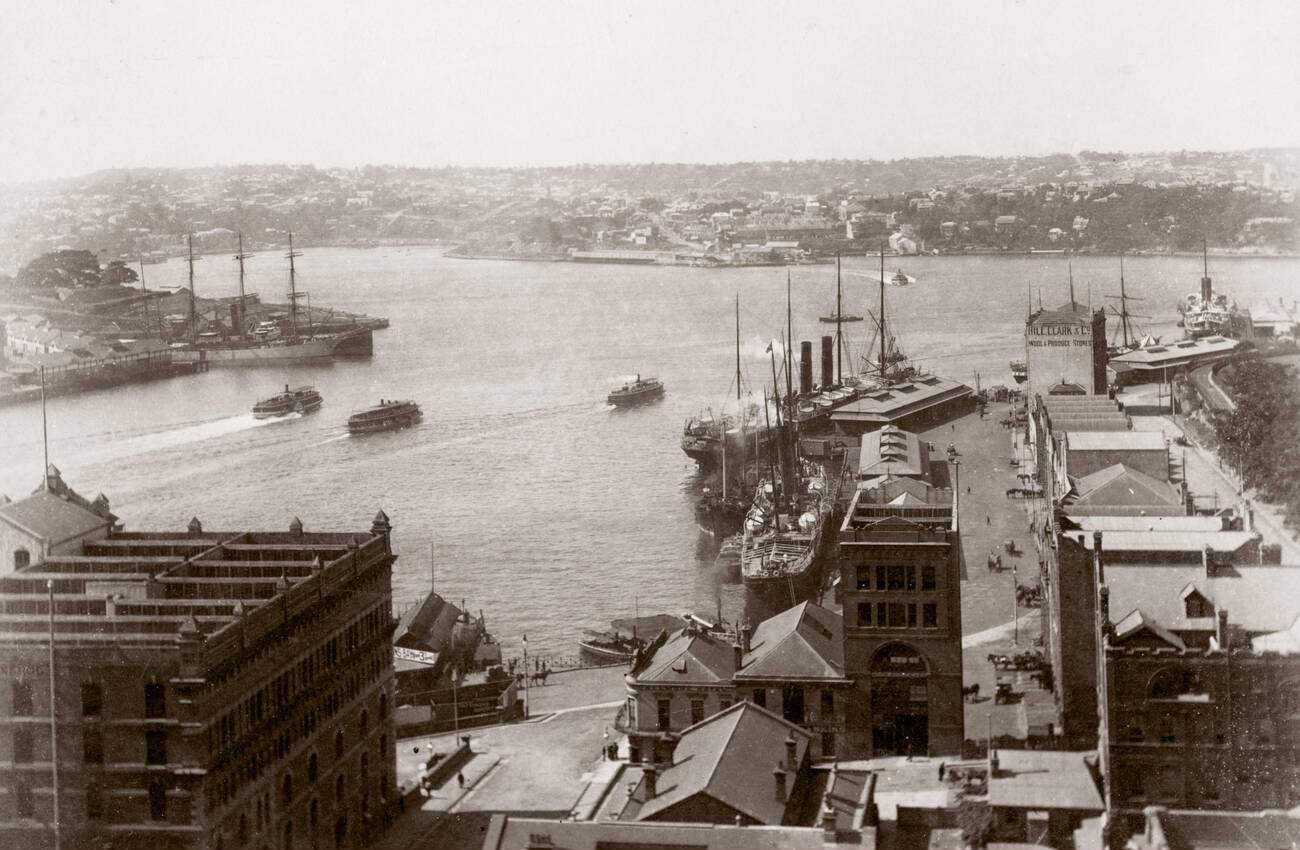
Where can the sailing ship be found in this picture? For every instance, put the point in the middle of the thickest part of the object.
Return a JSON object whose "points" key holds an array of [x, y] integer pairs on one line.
{"points": [[296, 400], [290, 345], [636, 392], [388, 415]]}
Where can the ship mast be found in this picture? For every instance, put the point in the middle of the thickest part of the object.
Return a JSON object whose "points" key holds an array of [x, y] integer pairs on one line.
{"points": [[194, 320], [144, 288], [1123, 301], [839, 319], [294, 295], [789, 343], [884, 363], [243, 305]]}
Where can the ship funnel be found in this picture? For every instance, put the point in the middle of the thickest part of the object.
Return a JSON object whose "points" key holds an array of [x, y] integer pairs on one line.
{"points": [[805, 368], [828, 360], [1207, 291]]}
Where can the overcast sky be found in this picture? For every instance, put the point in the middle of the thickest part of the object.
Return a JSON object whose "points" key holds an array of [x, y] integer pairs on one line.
{"points": [[94, 84]]}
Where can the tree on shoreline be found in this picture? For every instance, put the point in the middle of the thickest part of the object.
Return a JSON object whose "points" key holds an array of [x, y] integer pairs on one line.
{"points": [[1261, 438]]}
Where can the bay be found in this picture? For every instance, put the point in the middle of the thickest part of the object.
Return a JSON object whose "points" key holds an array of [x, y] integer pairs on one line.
{"points": [[543, 507]]}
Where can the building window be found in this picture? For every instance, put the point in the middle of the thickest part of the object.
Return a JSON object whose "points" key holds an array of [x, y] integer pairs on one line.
{"points": [[22, 746], [24, 804], [828, 703], [92, 699], [340, 831], [157, 801], [911, 577], [792, 703], [927, 578], [881, 619], [92, 746], [897, 615], [338, 744], [880, 578], [22, 698], [155, 700], [896, 580], [864, 578], [383, 705], [828, 743], [383, 746], [665, 714], [697, 711], [94, 802], [286, 789], [911, 615], [288, 835], [313, 813], [930, 615], [864, 614], [21, 558], [155, 747], [760, 697], [365, 721], [338, 788], [723, 704], [312, 767]]}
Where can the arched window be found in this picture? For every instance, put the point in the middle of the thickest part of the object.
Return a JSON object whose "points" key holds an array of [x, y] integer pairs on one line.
{"points": [[1175, 683], [21, 558]]}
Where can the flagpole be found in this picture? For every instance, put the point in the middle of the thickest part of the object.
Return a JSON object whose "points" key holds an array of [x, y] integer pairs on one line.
{"points": [[526, 677], [54, 725], [45, 436]]}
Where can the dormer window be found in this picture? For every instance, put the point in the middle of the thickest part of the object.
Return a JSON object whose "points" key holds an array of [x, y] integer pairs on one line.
{"points": [[1196, 606]]}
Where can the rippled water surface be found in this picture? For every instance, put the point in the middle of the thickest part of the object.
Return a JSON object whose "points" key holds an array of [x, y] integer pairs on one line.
{"points": [[543, 507]]}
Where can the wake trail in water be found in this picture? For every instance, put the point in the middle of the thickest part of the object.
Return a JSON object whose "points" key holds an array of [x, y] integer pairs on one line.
{"points": [[194, 433]]}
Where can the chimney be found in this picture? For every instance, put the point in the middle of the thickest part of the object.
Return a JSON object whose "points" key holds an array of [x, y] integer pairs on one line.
{"points": [[651, 785], [740, 656], [828, 361], [195, 527], [828, 824], [746, 634], [791, 752], [805, 368], [1103, 609], [993, 761], [779, 775], [1221, 632], [295, 527]]}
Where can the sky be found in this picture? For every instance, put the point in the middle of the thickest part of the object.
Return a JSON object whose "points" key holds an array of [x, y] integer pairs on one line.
{"points": [[93, 84]]}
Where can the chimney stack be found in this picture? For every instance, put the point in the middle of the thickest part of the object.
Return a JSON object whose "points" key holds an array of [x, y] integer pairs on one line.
{"points": [[805, 368], [1096, 557], [740, 655], [651, 781], [1225, 639], [828, 361], [791, 752], [779, 776]]}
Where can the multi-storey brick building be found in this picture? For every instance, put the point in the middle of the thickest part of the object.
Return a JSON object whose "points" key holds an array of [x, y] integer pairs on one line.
{"points": [[792, 664], [210, 690], [900, 575], [1200, 686]]}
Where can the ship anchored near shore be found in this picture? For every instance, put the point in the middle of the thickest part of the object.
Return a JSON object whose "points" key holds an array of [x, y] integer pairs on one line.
{"points": [[270, 343]]}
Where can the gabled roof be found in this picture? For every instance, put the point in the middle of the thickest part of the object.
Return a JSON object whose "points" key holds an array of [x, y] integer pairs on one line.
{"points": [[731, 757], [1118, 485], [51, 518], [804, 642], [1091, 441], [1259, 599], [691, 657], [429, 625], [1137, 622]]}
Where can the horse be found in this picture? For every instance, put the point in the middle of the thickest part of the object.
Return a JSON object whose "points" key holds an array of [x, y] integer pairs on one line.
{"points": [[539, 678], [971, 693]]}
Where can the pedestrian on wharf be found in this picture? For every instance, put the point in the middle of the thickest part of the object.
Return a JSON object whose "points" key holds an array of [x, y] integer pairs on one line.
{"points": [[460, 778]]}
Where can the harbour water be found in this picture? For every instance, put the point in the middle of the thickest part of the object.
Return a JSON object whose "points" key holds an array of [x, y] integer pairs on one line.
{"points": [[545, 507]]}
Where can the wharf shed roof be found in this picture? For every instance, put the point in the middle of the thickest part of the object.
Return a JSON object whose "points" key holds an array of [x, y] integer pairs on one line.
{"points": [[884, 404], [1108, 524], [891, 450], [801, 643], [730, 757], [1094, 441], [1169, 353], [1173, 540], [1259, 599], [1045, 779]]}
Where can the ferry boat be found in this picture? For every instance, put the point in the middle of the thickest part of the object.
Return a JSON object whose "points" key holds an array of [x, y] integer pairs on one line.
{"points": [[296, 400], [388, 415], [900, 279], [637, 392]]}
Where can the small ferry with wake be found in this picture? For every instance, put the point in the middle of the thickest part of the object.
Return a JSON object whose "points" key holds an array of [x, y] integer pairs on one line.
{"points": [[388, 415], [296, 400]]}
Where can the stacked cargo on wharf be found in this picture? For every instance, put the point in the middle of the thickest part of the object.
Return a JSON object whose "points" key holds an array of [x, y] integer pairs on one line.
{"points": [[197, 676]]}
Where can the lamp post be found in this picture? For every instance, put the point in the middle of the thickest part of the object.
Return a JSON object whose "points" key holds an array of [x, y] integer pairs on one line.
{"points": [[526, 706], [455, 705], [1015, 606]]}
